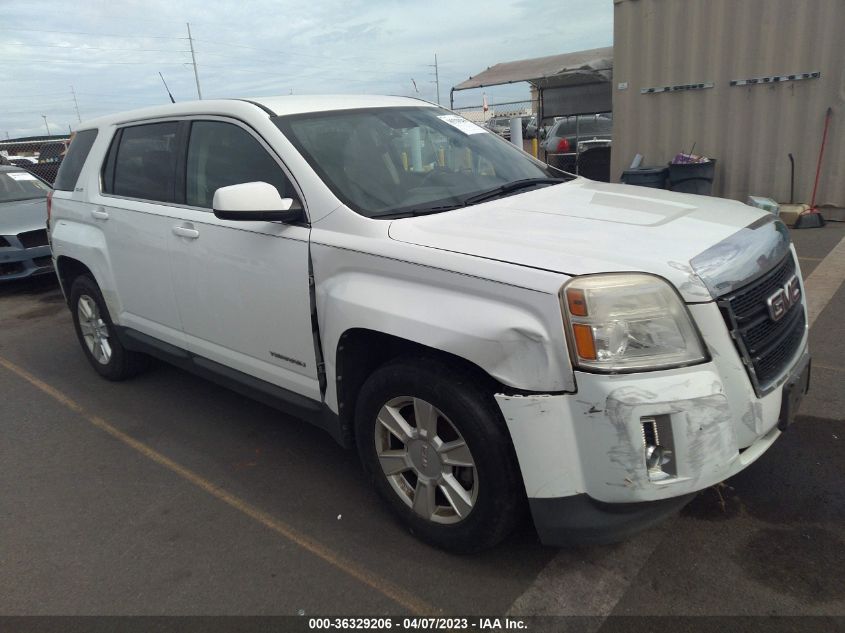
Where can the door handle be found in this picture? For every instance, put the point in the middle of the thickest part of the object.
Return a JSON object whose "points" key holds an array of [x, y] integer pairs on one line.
{"points": [[99, 214], [184, 231]]}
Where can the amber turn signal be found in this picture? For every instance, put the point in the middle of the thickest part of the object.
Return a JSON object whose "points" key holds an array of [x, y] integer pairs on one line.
{"points": [[584, 342], [576, 302]]}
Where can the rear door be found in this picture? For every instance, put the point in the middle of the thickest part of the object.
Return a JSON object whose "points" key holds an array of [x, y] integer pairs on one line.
{"points": [[242, 287], [134, 210]]}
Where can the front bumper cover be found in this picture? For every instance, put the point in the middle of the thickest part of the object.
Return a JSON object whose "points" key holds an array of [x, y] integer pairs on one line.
{"points": [[581, 520]]}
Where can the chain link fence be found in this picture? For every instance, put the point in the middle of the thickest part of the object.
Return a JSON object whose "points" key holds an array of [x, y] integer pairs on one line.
{"points": [[576, 144], [40, 155], [496, 117]]}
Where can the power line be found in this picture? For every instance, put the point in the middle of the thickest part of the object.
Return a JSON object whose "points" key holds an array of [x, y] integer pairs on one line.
{"points": [[143, 37], [100, 48], [97, 61], [298, 54]]}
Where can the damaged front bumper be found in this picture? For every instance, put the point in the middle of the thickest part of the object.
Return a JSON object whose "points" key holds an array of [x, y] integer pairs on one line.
{"points": [[627, 450]]}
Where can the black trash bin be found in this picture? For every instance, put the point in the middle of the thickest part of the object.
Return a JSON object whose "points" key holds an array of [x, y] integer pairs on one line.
{"points": [[692, 177], [594, 163], [566, 162], [654, 177]]}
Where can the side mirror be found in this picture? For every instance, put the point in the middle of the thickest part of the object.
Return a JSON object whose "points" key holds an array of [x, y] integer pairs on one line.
{"points": [[255, 201]]}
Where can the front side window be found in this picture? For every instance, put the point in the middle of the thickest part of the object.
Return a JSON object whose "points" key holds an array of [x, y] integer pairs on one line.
{"points": [[17, 184], [389, 161], [145, 163], [222, 154]]}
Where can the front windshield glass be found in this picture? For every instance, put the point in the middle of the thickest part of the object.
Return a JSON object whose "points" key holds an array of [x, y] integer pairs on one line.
{"points": [[20, 185], [389, 161]]}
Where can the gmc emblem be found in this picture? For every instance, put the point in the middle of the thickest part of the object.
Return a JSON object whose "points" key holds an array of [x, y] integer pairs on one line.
{"points": [[784, 298]]}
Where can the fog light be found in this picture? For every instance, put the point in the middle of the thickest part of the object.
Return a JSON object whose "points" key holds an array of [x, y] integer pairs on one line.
{"points": [[657, 443]]}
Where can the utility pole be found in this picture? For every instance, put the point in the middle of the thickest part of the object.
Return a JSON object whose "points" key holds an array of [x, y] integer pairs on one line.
{"points": [[436, 77], [75, 104], [47, 125], [194, 60]]}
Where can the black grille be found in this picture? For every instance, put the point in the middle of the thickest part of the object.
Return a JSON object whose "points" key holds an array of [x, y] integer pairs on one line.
{"points": [[766, 346], [31, 239], [43, 262]]}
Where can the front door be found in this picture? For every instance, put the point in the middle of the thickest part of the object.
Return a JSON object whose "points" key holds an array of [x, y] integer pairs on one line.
{"points": [[242, 287]]}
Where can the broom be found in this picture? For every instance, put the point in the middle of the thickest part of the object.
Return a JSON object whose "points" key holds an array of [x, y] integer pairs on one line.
{"points": [[812, 217]]}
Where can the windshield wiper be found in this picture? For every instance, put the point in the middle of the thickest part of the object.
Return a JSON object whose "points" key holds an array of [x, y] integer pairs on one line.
{"points": [[506, 188], [510, 187], [417, 211]]}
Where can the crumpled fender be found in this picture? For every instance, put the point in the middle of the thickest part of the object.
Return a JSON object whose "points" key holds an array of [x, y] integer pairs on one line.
{"points": [[514, 334]]}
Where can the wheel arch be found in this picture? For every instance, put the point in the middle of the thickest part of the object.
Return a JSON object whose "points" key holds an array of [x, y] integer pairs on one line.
{"points": [[360, 351], [67, 270]]}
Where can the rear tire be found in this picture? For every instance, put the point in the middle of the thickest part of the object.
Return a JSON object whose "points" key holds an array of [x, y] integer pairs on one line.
{"points": [[97, 334], [438, 451]]}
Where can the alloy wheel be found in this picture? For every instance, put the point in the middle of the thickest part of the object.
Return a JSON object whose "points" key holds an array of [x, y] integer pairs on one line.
{"points": [[94, 330], [426, 460]]}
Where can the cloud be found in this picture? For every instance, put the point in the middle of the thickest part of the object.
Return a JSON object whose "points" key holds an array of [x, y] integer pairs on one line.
{"points": [[111, 52]]}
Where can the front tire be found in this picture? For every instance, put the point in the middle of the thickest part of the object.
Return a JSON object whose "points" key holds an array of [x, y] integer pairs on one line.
{"points": [[97, 334], [437, 450]]}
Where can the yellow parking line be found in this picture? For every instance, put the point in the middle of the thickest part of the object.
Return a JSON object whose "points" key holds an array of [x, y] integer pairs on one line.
{"points": [[384, 587]]}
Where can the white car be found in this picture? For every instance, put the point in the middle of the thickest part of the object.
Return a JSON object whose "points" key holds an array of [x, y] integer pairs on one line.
{"points": [[483, 328]]}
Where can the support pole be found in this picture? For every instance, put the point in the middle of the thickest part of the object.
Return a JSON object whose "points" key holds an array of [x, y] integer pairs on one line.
{"points": [[437, 78], [194, 61], [75, 104], [516, 131]]}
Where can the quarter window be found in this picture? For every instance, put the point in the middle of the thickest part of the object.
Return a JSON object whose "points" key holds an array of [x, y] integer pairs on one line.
{"points": [[71, 166], [145, 164], [222, 154]]}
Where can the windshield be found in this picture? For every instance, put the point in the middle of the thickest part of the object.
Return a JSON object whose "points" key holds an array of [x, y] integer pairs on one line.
{"points": [[21, 185], [386, 161]]}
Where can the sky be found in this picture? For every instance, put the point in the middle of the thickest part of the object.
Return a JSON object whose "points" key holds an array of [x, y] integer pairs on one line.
{"points": [[109, 52]]}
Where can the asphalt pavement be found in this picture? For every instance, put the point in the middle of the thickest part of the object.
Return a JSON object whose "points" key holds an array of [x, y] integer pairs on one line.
{"points": [[168, 495]]}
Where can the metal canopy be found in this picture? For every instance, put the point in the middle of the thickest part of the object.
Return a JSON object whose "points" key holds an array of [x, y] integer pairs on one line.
{"points": [[569, 69]]}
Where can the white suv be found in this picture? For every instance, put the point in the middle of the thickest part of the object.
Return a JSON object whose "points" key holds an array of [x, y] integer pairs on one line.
{"points": [[483, 328]]}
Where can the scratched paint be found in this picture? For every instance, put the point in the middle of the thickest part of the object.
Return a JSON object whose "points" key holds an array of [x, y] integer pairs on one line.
{"points": [[704, 437]]}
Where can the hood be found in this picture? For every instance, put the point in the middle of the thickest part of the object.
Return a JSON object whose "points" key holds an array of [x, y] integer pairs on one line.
{"points": [[583, 227], [23, 215]]}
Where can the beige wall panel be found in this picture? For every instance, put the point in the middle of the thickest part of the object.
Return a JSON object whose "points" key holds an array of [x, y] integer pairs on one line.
{"points": [[749, 130]]}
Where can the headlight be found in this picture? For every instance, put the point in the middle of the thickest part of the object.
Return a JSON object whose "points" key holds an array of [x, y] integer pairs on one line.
{"points": [[628, 322]]}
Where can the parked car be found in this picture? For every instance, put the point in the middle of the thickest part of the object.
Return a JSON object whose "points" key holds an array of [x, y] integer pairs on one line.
{"points": [[24, 250], [501, 125], [483, 329], [20, 161], [26, 163], [575, 134], [52, 153]]}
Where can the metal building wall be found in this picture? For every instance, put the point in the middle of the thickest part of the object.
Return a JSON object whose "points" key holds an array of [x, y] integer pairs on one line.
{"points": [[750, 129]]}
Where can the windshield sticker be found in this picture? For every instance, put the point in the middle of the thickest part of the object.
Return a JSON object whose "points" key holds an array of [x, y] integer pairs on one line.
{"points": [[460, 123], [20, 175]]}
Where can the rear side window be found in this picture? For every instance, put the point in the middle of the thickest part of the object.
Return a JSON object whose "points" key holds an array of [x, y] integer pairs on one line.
{"points": [[222, 154], [71, 167], [145, 162]]}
